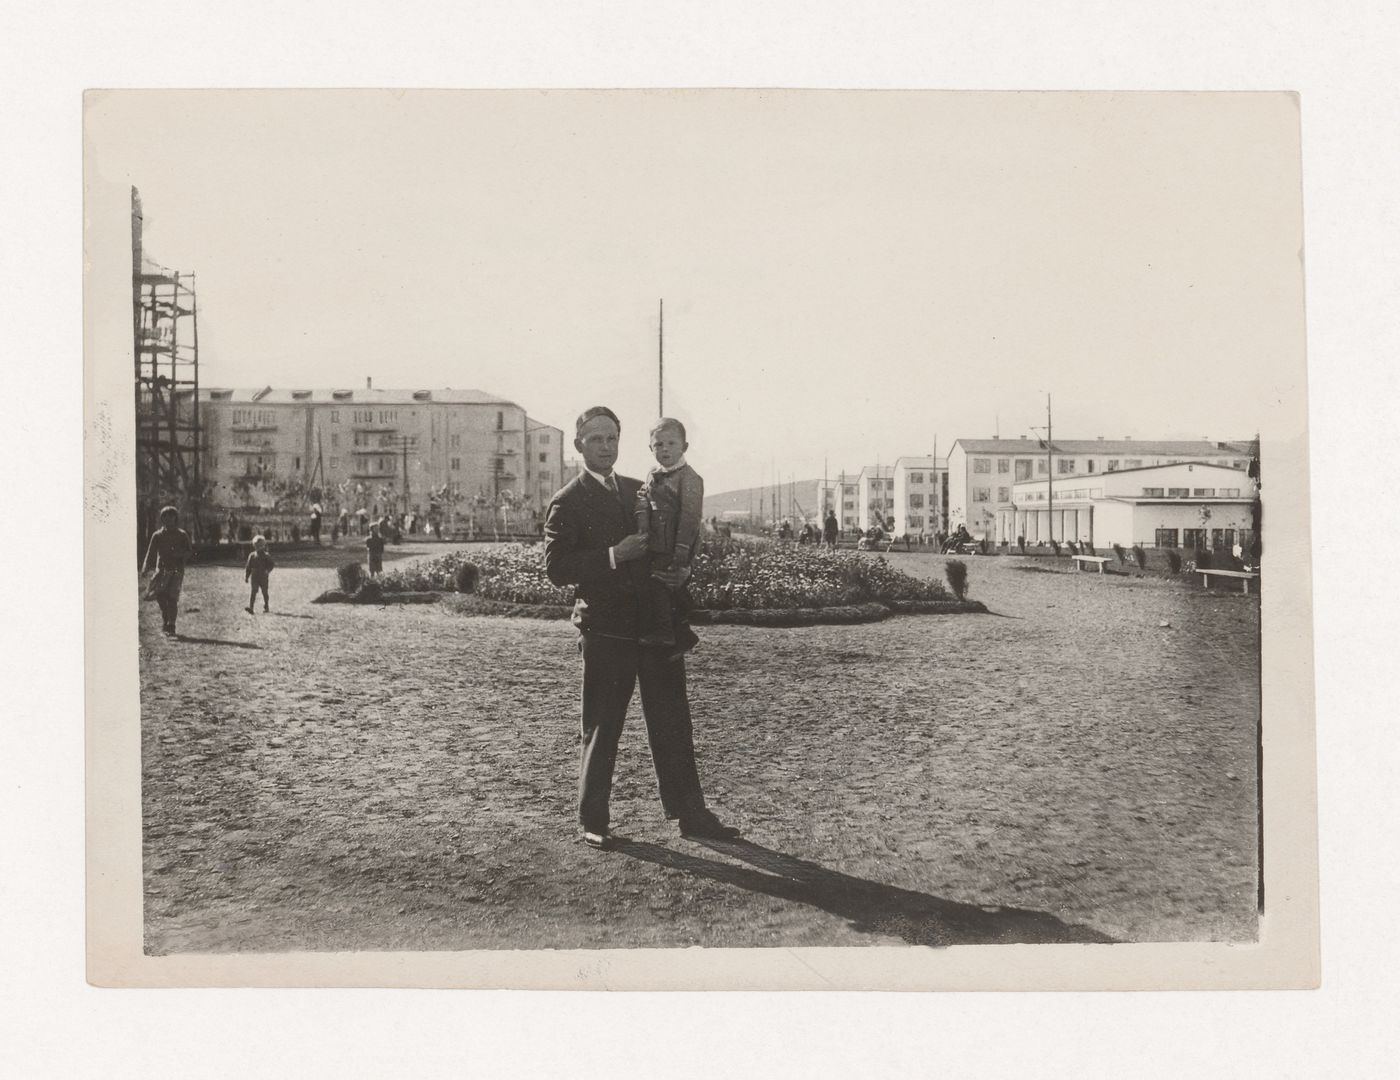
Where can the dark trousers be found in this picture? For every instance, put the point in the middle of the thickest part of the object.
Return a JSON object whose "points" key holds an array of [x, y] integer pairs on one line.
{"points": [[612, 667], [258, 583]]}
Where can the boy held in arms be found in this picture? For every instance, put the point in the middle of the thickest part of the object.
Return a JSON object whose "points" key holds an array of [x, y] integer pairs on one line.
{"points": [[258, 570], [669, 514], [169, 550]]}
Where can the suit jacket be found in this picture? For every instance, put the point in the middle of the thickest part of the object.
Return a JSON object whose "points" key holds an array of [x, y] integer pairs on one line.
{"points": [[583, 521]]}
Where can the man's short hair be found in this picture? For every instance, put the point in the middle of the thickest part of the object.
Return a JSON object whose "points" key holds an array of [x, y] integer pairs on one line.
{"points": [[168, 510], [594, 413], [668, 422]]}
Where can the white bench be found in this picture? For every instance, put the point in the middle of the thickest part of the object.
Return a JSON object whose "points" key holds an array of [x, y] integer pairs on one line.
{"points": [[1246, 575], [1080, 560]]}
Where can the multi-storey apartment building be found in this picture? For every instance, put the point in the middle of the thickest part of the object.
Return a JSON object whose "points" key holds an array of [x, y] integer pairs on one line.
{"points": [[544, 463], [920, 496], [983, 472], [843, 496], [875, 497], [380, 450]]}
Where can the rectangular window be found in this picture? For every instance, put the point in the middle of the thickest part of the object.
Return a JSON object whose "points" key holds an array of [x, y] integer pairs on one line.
{"points": [[544, 438], [1222, 539], [1003, 494], [916, 478], [981, 494], [1153, 493], [1092, 465], [1166, 538], [1003, 465], [335, 463], [1133, 463], [1230, 493], [1178, 493], [335, 442], [1041, 467], [1023, 469], [1112, 465], [456, 464], [1203, 493], [544, 457], [500, 421], [1193, 538], [981, 465], [916, 500], [545, 476], [849, 504], [335, 416], [454, 442]]}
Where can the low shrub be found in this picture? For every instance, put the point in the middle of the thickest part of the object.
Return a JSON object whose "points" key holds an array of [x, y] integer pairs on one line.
{"points": [[1021, 543], [1122, 555], [1174, 561], [1204, 560], [1140, 556], [468, 574], [956, 571], [350, 576], [1055, 546], [370, 592]]}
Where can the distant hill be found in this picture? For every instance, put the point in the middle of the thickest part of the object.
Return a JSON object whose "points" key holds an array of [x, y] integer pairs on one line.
{"points": [[805, 490]]}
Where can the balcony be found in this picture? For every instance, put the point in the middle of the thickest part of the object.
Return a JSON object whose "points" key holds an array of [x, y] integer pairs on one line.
{"points": [[245, 448], [250, 425]]}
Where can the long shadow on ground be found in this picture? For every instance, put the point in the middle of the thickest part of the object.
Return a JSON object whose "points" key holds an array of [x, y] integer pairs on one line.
{"points": [[187, 639], [918, 918]]}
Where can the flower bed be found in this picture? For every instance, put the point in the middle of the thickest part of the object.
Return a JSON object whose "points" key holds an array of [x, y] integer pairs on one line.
{"points": [[727, 575]]}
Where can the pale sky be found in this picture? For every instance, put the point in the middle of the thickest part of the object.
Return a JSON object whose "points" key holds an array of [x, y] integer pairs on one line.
{"points": [[848, 276]]}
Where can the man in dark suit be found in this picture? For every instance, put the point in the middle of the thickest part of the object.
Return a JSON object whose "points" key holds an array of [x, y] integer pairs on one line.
{"points": [[590, 544]]}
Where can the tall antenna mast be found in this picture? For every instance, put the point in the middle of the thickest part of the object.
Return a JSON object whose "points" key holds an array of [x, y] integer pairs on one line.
{"points": [[660, 357], [1049, 467]]}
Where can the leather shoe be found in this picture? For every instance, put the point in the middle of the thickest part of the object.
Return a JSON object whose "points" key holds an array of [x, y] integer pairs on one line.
{"points": [[603, 841], [707, 827]]}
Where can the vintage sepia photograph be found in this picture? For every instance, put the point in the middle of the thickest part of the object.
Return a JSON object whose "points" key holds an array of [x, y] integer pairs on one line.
{"points": [[697, 539]]}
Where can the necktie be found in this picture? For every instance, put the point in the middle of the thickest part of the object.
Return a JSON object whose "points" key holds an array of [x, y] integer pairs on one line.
{"points": [[610, 482]]}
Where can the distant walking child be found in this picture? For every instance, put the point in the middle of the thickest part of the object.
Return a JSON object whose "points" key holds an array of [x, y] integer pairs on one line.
{"points": [[669, 514], [258, 570], [375, 546], [170, 549]]}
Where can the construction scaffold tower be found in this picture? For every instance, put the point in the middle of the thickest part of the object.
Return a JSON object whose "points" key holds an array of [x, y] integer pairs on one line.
{"points": [[165, 323]]}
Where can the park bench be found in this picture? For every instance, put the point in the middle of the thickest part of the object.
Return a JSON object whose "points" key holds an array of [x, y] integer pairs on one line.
{"points": [[1245, 575], [1100, 560]]}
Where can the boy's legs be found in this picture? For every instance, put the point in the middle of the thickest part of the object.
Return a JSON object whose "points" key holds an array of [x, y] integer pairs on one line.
{"points": [[656, 616], [263, 586]]}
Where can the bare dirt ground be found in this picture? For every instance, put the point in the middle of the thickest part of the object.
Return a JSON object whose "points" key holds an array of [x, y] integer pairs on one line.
{"points": [[1063, 769]]}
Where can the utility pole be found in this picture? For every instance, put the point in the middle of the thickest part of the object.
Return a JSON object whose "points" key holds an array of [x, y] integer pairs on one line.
{"points": [[1050, 466], [405, 443]]}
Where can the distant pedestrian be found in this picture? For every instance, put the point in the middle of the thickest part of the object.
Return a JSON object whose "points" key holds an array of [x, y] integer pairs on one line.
{"points": [[258, 571], [830, 529], [316, 522], [363, 517], [375, 546], [170, 549], [344, 522]]}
